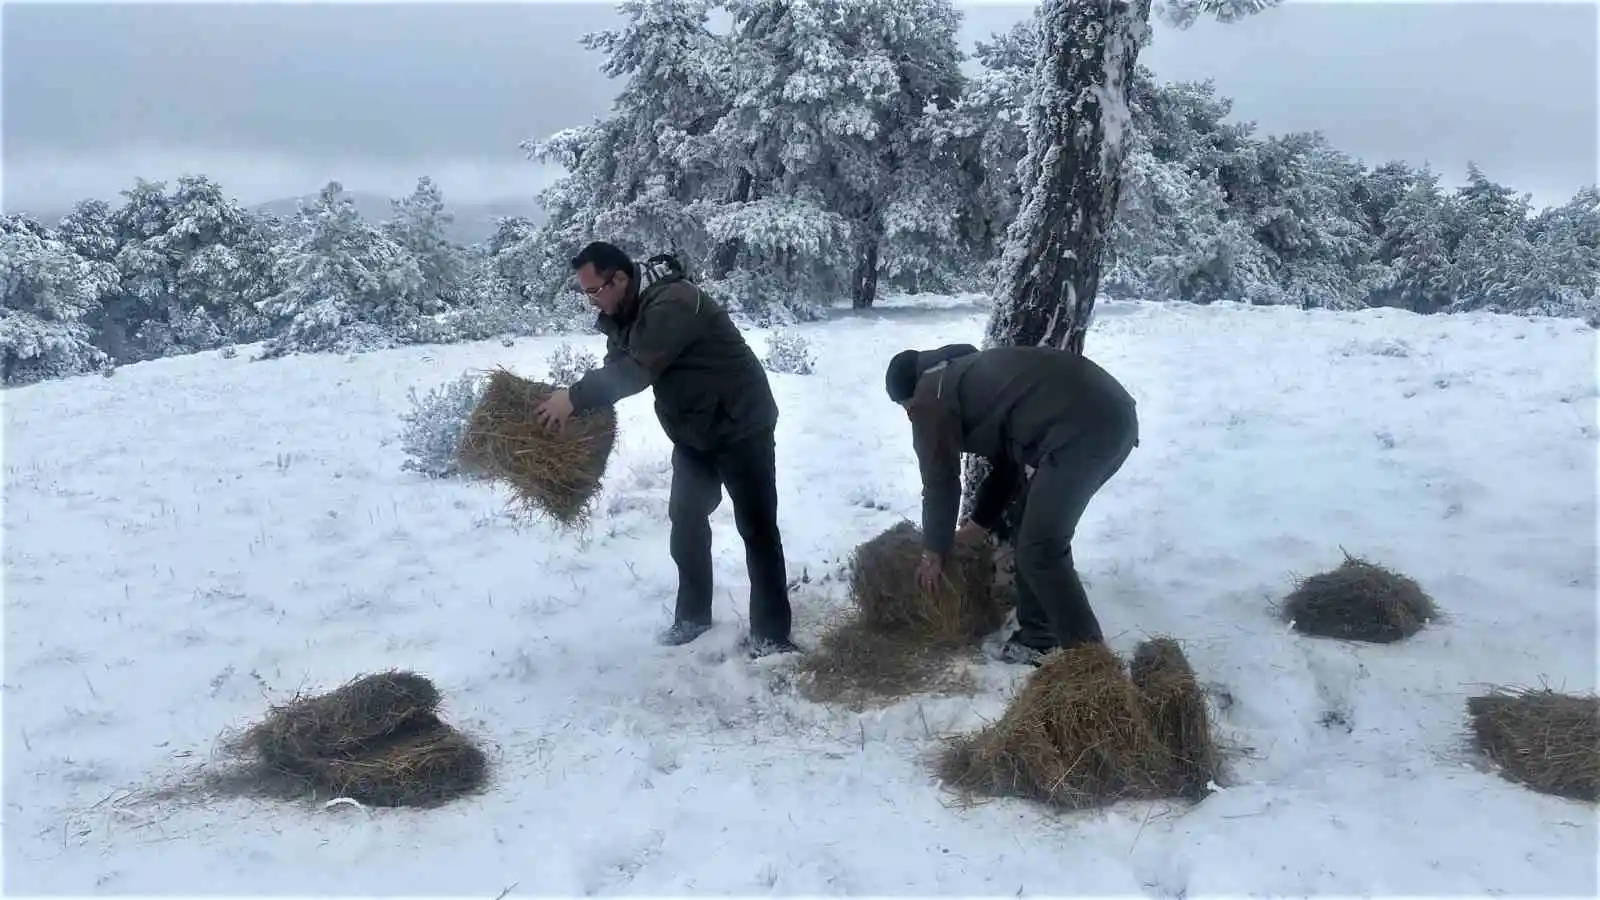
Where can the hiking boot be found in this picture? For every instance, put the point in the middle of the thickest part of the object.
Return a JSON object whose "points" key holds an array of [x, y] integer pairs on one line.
{"points": [[758, 648], [1017, 653], [683, 632]]}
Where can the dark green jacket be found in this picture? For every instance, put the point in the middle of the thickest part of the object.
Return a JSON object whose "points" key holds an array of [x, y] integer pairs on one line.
{"points": [[1012, 406], [709, 386]]}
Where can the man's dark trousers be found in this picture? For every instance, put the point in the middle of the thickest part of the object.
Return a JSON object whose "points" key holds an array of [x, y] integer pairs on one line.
{"points": [[1052, 607], [748, 469]]}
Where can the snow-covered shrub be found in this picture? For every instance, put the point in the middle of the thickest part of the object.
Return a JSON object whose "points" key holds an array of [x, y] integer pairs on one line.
{"points": [[568, 364], [789, 352], [430, 329], [434, 424], [34, 350]]}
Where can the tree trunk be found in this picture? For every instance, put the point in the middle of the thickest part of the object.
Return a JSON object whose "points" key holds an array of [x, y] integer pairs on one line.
{"points": [[727, 254], [1078, 122], [864, 287]]}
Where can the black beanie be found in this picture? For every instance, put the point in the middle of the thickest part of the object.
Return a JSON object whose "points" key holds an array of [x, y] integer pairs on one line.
{"points": [[901, 379], [908, 365]]}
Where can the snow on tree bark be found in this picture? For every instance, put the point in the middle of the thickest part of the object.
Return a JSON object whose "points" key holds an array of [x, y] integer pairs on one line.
{"points": [[1078, 133]]}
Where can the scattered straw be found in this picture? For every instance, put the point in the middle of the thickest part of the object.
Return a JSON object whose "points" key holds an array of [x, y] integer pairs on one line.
{"points": [[901, 639], [1359, 601], [377, 740], [858, 666], [1077, 735], [557, 473], [1547, 741], [1176, 707]]}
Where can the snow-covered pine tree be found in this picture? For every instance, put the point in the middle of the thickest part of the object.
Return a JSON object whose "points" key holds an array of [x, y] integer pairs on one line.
{"points": [[572, 205], [986, 136], [797, 135], [633, 178], [1078, 137], [1418, 240], [826, 122], [346, 285], [926, 246], [1561, 274], [907, 62], [1079, 125], [47, 292], [420, 225], [1493, 246], [1078, 130], [677, 84], [89, 230], [193, 264], [1175, 236], [1304, 211]]}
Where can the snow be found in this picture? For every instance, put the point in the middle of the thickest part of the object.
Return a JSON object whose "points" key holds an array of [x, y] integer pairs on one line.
{"points": [[1126, 35], [196, 537]]}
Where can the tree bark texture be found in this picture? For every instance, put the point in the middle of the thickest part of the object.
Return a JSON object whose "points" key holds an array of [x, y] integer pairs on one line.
{"points": [[864, 286], [1078, 125]]}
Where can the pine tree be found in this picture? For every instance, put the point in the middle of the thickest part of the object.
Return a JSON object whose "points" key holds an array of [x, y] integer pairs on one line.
{"points": [[421, 227], [1078, 136], [47, 294], [634, 177], [346, 285]]}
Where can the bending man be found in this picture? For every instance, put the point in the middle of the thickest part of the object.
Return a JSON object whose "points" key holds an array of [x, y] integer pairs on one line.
{"points": [[1018, 407]]}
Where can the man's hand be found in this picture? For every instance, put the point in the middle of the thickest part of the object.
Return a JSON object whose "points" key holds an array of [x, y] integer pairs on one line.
{"points": [[554, 411], [929, 571]]}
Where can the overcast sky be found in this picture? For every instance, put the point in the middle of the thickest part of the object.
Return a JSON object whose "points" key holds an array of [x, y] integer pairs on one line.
{"points": [[275, 99]]}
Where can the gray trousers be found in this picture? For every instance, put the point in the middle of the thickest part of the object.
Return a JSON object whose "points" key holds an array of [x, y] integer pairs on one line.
{"points": [[1052, 607]]}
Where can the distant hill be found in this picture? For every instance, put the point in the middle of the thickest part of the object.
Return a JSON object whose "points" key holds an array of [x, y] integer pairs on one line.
{"points": [[473, 221]]}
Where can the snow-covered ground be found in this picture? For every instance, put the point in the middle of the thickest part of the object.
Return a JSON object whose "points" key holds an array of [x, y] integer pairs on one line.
{"points": [[195, 537]]}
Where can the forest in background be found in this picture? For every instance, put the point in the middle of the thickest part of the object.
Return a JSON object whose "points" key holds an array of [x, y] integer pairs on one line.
{"points": [[810, 154]]}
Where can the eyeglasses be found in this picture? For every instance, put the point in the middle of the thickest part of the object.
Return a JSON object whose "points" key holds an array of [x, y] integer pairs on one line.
{"points": [[599, 287]]}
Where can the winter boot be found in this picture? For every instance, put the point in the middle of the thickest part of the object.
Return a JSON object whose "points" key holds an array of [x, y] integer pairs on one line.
{"points": [[757, 648], [683, 632]]}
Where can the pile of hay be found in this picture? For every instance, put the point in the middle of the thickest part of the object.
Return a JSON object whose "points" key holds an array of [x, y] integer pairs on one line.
{"points": [[899, 639], [1359, 601], [1176, 707], [1547, 741], [961, 609], [557, 473], [377, 739], [1081, 734]]}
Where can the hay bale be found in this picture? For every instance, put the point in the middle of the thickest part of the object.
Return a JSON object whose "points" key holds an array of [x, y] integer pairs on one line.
{"points": [[901, 639], [377, 739], [1359, 601], [557, 473], [1076, 736], [963, 608], [424, 768], [1176, 707], [1547, 741], [344, 721]]}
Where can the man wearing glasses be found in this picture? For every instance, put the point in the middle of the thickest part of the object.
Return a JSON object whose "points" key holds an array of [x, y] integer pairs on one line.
{"points": [[715, 404]]}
